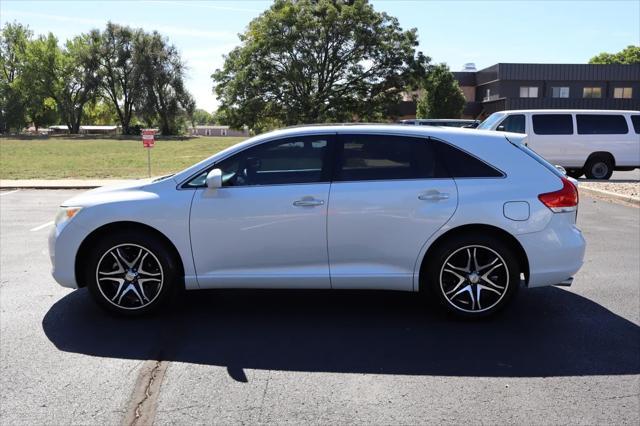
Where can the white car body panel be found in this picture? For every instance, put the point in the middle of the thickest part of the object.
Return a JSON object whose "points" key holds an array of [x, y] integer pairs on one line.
{"points": [[366, 234], [572, 151]]}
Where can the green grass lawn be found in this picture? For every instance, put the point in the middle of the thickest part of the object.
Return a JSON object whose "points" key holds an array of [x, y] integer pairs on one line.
{"points": [[60, 158]]}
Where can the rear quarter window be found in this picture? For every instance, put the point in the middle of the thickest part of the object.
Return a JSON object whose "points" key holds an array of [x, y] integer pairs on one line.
{"points": [[459, 164], [601, 124], [552, 124]]}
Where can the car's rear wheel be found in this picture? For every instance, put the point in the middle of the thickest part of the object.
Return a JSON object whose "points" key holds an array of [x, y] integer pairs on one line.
{"points": [[131, 273], [599, 167], [473, 275]]}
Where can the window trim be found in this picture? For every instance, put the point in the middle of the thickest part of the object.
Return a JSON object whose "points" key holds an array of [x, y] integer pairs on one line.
{"points": [[560, 92], [529, 92], [623, 88], [591, 91]]}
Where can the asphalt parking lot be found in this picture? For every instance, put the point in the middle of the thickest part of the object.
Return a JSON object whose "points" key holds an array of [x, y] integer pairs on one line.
{"points": [[555, 356]]}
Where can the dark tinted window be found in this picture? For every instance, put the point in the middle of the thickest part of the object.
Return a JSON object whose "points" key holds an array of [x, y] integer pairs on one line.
{"points": [[458, 163], [513, 123], [284, 161], [552, 124], [635, 119], [375, 157], [592, 124]]}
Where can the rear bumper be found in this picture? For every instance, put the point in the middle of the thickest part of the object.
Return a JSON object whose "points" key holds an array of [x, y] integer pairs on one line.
{"points": [[556, 253]]}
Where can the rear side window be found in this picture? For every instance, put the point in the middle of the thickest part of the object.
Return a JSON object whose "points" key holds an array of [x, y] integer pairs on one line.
{"points": [[552, 124], [384, 157], [513, 123], [459, 164], [601, 124], [635, 120]]}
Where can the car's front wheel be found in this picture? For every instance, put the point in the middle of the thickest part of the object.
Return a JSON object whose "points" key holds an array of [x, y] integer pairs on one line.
{"points": [[473, 275], [131, 273]]}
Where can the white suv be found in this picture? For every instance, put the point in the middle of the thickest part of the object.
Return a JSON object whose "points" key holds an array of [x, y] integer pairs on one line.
{"points": [[468, 217]]}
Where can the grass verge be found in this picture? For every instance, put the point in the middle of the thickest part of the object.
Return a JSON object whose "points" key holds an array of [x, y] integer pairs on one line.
{"points": [[60, 158]]}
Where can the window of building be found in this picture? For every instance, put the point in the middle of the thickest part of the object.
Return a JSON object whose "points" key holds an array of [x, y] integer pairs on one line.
{"points": [[377, 157], [513, 123], [635, 120], [601, 124], [560, 92], [623, 92], [592, 92], [552, 124], [528, 92]]}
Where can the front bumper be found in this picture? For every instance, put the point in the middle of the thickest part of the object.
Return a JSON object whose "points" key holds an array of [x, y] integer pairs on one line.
{"points": [[64, 242]]}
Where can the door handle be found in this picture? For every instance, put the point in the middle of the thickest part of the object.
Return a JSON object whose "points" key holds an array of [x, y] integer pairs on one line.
{"points": [[308, 202], [433, 196]]}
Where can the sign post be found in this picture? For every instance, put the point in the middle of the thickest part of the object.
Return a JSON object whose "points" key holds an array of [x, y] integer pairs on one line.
{"points": [[148, 142]]}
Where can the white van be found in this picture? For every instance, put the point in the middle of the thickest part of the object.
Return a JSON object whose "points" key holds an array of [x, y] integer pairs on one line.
{"points": [[589, 142]]}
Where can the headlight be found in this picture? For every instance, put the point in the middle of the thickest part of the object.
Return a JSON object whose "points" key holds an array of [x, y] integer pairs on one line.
{"points": [[66, 214]]}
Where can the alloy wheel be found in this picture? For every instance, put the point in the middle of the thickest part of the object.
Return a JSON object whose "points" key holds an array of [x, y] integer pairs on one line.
{"points": [[474, 278], [129, 276]]}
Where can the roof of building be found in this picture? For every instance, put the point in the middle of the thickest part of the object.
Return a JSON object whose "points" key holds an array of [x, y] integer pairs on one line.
{"points": [[64, 127], [207, 127]]}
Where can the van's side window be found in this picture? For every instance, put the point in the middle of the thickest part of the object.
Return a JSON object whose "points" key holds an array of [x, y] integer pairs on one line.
{"points": [[601, 124], [552, 124], [635, 119], [513, 123]]}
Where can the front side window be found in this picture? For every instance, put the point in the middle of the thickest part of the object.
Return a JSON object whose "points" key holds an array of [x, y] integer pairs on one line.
{"points": [[552, 124], [528, 92], [623, 92], [601, 124], [592, 92], [513, 123], [560, 92], [385, 157], [284, 161]]}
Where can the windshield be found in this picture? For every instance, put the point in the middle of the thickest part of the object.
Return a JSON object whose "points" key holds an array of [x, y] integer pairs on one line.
{"points": [[488, 123]]}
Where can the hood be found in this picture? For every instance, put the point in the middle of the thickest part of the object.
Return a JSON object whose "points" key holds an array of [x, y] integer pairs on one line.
{"points": [[117, 192]]}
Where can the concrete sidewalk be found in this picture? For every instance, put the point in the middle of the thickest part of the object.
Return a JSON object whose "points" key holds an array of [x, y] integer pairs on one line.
{"points": [[59, 183]]}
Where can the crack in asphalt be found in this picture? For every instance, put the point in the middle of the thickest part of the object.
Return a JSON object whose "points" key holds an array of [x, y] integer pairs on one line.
{"points": [[144, 398]]}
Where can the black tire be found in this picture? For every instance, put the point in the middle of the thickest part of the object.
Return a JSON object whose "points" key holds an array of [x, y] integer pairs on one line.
{"points": [[599, 167], [144, 290], [575, 173], [461, 300]]}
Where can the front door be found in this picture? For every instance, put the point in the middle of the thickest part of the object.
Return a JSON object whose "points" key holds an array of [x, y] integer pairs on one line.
{"points": [[266, 227], [388, 197]]}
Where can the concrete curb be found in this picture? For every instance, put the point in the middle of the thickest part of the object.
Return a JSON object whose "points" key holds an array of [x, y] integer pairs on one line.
{"points": [[601, 193]]}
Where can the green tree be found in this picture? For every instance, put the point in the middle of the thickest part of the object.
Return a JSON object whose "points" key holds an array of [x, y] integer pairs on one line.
{"points": [[201, 117], [114, 49], [628, 55], [442, 97], [99, 112], [69, 75], [14, 39], [160, 73], [310, 61]]}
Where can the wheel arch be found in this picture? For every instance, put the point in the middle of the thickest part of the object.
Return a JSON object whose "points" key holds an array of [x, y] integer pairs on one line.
{"points": [[129, 226], [505, 236], [601, 154]]}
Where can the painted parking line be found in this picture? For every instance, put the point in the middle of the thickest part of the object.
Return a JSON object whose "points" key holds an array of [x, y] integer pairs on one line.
{"points": [[3, 193], [44, 225]]}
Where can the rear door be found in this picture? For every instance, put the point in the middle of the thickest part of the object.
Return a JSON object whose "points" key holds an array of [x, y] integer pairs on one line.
{"points": [[388, 196]]}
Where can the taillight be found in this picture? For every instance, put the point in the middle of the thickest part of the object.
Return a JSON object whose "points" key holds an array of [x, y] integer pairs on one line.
{"points": [[564, 200]]}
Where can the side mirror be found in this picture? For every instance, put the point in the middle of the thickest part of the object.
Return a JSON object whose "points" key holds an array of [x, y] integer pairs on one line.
{"points": [[214, 179], [500, 128]]}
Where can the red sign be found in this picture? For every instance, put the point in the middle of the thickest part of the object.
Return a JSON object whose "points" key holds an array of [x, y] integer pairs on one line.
{"points": [[148, 140]]}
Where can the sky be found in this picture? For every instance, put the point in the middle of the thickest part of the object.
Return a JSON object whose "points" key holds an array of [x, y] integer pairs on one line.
{"points": [[454, 32]]}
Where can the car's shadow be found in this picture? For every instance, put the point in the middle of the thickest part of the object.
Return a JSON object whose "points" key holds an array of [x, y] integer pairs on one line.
{"points": [[546, 332]]}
